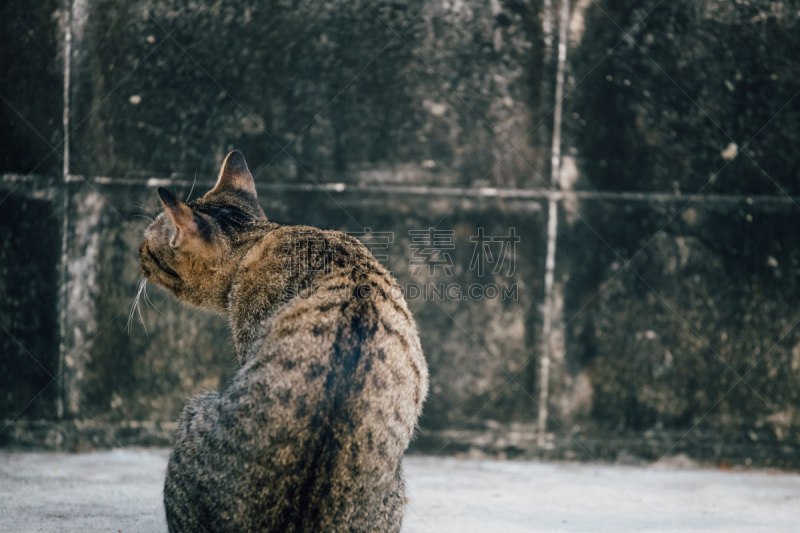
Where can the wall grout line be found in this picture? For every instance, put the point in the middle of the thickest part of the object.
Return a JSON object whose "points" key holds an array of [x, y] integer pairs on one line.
{"points": [[547, 28], [547, 321], [67, 75], [548, 310], [64, 264], [426, 190]]}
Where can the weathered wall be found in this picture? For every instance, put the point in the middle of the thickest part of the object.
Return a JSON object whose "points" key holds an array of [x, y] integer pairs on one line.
{"points": [[648, 172]]}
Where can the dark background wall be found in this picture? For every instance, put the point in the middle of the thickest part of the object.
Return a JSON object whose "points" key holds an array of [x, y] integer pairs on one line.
{"points": [[642, 151]]}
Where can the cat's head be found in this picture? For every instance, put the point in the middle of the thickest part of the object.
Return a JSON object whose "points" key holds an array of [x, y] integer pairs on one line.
{"points": [[189, 246]]}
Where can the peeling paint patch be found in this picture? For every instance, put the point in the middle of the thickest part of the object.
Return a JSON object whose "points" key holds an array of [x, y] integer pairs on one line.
{"points": [[83, 290], [577, 22]]}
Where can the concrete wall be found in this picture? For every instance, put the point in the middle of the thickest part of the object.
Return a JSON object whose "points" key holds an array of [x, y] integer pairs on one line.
{"points": [[643, 153]]}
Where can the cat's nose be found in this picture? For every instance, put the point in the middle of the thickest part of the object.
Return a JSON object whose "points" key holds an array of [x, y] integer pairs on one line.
{"points": [[141, 246]]}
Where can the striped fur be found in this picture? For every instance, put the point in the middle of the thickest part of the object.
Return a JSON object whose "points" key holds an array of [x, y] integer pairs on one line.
{"points": [[309, 433]]}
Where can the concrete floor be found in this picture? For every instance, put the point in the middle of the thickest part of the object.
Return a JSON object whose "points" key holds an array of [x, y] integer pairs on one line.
{"points": [[120, 490]]}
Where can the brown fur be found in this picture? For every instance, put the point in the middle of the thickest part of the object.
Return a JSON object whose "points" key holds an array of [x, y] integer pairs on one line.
{"points": [[309, 433]]}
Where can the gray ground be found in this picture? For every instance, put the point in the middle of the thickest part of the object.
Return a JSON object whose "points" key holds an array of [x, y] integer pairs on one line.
{"points": [[120, 490]]}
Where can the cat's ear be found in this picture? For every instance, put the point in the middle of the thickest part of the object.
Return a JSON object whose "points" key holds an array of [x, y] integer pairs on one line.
{"points": [[234, 174], [180, 213]]}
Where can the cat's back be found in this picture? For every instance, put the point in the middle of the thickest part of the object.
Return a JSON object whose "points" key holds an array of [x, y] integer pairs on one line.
{"points": [[348, 336], [339, 377]]}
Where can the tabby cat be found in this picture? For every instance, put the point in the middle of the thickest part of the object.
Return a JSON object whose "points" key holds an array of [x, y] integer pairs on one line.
{"points": [[309, 433]]}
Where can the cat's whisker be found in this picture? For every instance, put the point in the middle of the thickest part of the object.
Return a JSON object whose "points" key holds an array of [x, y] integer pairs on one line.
{"points": [[136, 308], [147, 209], [141, 318], [150, 303], [133, 304], [189, 196]]}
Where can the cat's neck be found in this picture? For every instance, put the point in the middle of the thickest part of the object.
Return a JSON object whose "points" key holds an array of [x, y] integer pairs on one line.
{"points": [[257, 286]]}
